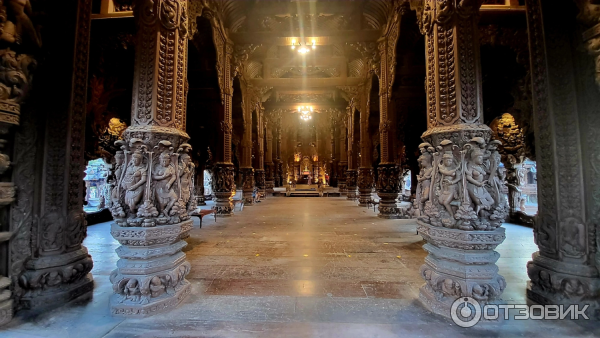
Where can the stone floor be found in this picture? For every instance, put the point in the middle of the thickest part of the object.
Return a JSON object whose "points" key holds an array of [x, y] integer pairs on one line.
{"points": [[295, 267]]}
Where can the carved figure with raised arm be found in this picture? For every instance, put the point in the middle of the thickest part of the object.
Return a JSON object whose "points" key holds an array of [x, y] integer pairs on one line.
{"points": [[476, 182], [450, 175], [164, 176], [134, 180]]}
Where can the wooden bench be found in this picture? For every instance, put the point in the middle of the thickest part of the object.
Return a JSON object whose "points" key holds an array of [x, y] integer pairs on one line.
{"points": [[203, 212], [373, 202]]}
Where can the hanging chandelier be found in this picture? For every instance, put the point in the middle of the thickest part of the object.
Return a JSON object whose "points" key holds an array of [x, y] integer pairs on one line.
{"points": [[305, 112], [303, 49]]}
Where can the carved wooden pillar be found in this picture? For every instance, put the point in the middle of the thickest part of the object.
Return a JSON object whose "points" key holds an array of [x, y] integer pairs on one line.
{"points": [[259, 174], [463, 195], [269, 178], [388, 172], [48, 264], [332, 162], [365, 171], [351, 172], [278, 161], [153, 200], [566, 122], [246, 169], [343, 143], [223, 183]]}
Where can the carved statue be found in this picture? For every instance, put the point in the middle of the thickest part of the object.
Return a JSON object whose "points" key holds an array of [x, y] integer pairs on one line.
{"points": [[424, 176], [164, 176], [156, 287], [18, 29], [132, 290], [480, 293], [186, 174], [450, 175], [476, 182], [134, 180], [118, 172], [450, 288]]}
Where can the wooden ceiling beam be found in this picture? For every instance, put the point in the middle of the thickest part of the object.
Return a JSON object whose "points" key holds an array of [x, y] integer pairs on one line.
{"points": [[322, 37], [306, 84], [267, 8], [300, 61], [293, 106]]}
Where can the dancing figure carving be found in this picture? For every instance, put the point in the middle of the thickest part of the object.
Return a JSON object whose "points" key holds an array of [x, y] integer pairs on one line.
{"points": [[134, 180], [164, 176]]}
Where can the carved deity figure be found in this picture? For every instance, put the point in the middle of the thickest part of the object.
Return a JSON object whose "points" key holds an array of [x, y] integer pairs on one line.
{"points": [[450, 175], [132, 290], [186, 173], [481, 292], [156, 287], [476, 182], [450, 288], [19, 29], [133, 181], [119, 160], [500, 182], [424, 178], [164, 176]]}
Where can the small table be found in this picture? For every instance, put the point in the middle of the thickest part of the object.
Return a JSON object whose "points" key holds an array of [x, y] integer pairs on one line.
{"points": [[203, 212]]}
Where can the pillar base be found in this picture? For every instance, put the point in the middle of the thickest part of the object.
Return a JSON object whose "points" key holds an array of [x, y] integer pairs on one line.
{"points": [[51, 281], [248, 199], [223, 186], [387, 206], [342, 188], [554, 283], [150, 274], [248, 186], [259, 177], [351, 193], [364, 197], [269, 185], [459, 264], [6, 303], [365, 185]]}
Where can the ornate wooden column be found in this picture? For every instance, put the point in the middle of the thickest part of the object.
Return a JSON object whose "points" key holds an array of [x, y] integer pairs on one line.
{"points": [[16, 75], [246, 160], [461, 177], [566, 121], [269, 165], [278, 161], [388, 172], [333, 115], [343, 142], [48, 264], [259, 174], [351, 173], [223, 183], [153, 199], [365, 171]]}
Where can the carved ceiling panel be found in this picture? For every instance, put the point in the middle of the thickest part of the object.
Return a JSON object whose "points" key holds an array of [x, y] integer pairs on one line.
{"points": [[299, 72], [305, 98], [287, 22]]}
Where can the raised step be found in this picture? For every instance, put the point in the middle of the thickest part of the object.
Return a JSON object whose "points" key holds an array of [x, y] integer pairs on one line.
{"points": [[304, 194]]}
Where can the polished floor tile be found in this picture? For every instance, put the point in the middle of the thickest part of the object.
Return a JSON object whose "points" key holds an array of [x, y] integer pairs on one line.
{"points": [[295, 267]]}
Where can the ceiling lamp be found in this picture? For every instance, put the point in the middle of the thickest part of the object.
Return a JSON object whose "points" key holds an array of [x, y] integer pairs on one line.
{"points": [[305, 112], [302, 49]]}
